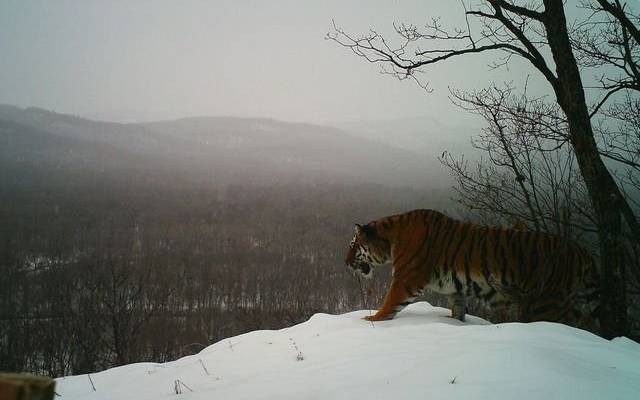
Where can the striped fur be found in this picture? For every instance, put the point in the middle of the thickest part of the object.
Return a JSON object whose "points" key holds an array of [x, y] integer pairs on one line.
{"points": [[539, 273]]}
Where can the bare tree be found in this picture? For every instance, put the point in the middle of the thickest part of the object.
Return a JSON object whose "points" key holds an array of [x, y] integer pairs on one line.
{"points": [[528, 172], [607, 43], [532, 31]]}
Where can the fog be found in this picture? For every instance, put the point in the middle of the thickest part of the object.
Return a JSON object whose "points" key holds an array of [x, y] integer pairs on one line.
{"points": [[156, 60]]}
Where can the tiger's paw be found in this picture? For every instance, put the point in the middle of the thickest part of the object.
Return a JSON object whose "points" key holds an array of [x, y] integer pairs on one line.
{"points": [[375, 317]]}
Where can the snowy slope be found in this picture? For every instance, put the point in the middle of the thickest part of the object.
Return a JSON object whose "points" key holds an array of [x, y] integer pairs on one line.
{"points": [[415, 356]]}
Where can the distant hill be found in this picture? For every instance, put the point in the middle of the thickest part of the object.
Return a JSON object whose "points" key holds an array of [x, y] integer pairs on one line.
{"points": [[32, 156], [210, 149], [428, 136]]}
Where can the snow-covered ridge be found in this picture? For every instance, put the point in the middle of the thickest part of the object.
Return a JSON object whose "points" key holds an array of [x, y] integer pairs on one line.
{"points": [[422, 354]]}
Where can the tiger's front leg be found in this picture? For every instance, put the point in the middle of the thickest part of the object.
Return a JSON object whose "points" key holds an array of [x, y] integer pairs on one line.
{"points": [[397, 298]]}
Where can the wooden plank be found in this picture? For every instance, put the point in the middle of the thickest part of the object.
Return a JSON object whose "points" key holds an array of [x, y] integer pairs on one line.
{"points": [[26, 387]]}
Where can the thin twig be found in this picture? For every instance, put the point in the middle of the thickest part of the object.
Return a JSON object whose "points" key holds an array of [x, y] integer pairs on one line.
{"points": [[178, 384], [203, 366], [92, 385], [364, 302]]}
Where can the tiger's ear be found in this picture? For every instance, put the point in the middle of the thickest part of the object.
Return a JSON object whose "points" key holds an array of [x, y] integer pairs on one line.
{"points": [[358, 229]]}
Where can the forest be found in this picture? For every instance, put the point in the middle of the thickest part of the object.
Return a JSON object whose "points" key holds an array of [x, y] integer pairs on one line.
{"points": [[104, 266]]}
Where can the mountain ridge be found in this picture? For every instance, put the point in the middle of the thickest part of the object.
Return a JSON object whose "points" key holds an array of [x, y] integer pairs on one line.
{"points": [[275, 150]]}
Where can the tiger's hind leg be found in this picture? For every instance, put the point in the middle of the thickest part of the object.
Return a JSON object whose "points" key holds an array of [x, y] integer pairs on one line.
{"points": [[458, 305]]}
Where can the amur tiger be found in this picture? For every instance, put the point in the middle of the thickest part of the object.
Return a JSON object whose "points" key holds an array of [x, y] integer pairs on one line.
{"points": [[539, 273]]}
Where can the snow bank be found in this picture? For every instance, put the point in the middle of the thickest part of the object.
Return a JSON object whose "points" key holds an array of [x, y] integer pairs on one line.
{"points": [[422, 354]]}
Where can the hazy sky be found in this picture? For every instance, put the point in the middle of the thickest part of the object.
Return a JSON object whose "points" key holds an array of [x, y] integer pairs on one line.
{"points": [[143, 60]]}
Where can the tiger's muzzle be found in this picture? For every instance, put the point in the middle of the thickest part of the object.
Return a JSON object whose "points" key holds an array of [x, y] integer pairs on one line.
{"points": [[362, 268]]}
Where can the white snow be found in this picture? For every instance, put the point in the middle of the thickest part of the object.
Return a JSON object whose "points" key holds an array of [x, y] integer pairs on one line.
{"points": [[421, 354]]}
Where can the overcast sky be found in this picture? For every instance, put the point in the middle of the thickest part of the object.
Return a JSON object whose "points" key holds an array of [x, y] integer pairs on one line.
{"points": [[147, 60]]}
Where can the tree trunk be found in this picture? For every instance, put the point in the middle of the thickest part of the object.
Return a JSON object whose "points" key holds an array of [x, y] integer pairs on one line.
{"points": [[603, 191]]}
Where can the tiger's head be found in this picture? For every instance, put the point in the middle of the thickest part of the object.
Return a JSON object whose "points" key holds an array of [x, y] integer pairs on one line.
{"points": [[367, 250]]}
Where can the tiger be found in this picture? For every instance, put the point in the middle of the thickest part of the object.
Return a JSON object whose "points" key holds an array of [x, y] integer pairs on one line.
{"points": [[540, 274]]}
